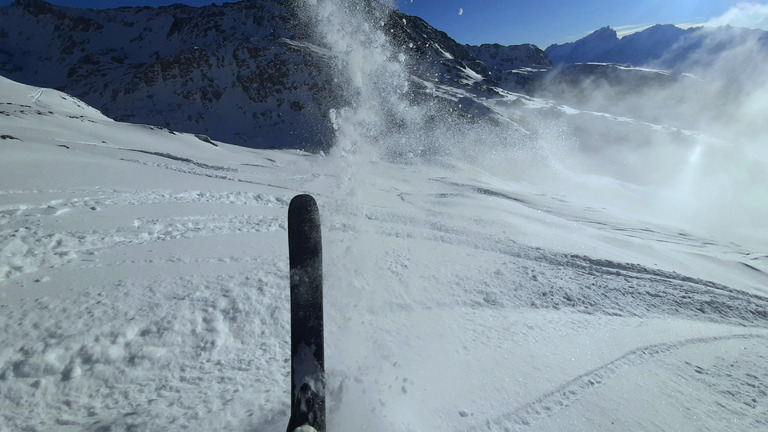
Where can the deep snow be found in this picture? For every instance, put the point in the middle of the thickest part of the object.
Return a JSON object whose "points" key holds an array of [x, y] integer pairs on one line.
{"points": [[144, 287], [519, 277]]}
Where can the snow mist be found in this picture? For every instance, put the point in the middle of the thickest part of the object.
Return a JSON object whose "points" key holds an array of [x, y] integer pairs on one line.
{"points": [[385, 117], [382, 121], [688, 154], [685, 163], [693, 153]]}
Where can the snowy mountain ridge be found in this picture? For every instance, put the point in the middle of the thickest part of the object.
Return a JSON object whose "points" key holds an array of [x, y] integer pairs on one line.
{"points": [[245, 72], [239, 72], [254, 74], [665, 47], [218, 70], [513, 67]]}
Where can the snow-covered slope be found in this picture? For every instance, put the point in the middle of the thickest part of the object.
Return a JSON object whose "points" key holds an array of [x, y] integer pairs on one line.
{"points": [[493, 261], [144, 286]]}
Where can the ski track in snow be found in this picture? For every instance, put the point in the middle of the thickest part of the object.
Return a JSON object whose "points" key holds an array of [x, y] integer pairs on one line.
{"points": [[27, 245], [547, 405], [581, 283], [516, 277], [208, 171]]}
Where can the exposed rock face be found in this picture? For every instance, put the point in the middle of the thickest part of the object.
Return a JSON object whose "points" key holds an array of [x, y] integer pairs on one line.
{"points": [[226, 71], [255, 72], [510, 57], [249, 72], [514, 67]]}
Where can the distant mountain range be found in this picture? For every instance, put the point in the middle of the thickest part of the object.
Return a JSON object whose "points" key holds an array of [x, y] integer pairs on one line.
{"points": [[661, 46], [253, 73]]}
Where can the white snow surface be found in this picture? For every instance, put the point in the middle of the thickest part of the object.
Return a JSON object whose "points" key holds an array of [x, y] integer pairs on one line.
{"points": [[144, 286]]}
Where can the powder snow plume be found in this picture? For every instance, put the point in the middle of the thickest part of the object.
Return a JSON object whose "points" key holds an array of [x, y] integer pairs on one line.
{"points": [[689, 153]]}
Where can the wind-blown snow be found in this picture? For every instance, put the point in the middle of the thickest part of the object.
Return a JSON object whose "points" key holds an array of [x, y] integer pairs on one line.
{"points": [[144, 277]]}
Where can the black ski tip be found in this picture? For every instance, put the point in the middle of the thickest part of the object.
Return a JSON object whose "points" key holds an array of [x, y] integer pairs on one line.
{"points": [[303, 201], [303, 210], [304, 238]]}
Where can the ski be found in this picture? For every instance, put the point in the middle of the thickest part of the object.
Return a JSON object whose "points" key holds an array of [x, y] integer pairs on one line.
{"points": [[307, 344]]}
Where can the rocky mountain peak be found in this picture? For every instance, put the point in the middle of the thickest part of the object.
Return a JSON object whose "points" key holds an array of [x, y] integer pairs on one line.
{"points": [[603, 34], [664, 46], [248, 72], [34, 7], [510, 57]]}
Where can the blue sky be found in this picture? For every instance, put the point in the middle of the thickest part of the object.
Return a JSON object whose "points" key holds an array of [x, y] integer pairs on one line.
{"points": [[541, 22], [544, 22]]}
